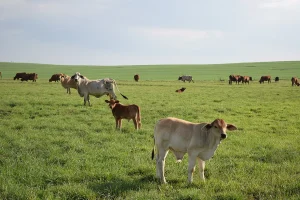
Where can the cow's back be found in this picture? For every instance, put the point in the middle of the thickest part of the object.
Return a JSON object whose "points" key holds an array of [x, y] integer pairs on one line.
{"points": [[174, 133]]}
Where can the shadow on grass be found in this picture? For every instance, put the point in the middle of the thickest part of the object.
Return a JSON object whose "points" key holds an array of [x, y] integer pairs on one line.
{"points": [[119, 187]]}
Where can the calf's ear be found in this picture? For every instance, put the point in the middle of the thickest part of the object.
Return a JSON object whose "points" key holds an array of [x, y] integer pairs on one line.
{"points": [[231, 127], [208, 126]]}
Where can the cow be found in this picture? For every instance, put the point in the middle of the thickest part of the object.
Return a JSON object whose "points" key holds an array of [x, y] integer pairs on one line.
{"points": [[19, 75], [245, 79], [30, 76], [186, 78], [250, 78], [276, 79], [129, 112], [97, 88], [55, 77], [67, 83], [1, 75], [136, 77], [295, 81], [234, 78], [180, 90], [199, 140], [265, 78]]}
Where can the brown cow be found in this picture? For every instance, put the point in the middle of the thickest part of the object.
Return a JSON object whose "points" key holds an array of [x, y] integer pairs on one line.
{"points": [[129, 112], [265, 78], [68, 83], [180, 90], [234, 78], [55, 77], [295, 81], [30, 76], [136, 77], [1, 74], [19, 75], [245, 79]]}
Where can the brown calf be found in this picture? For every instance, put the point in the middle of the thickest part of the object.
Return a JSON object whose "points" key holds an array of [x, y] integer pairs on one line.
{"points": [[180, 90], [129, 112], [295, 81], [55, 77], [136, 77], [245, 79], [265, 78]]}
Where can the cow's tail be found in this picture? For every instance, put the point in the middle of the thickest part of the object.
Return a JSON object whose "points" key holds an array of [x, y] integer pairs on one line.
{"points": [[153, 150], [119, 90]]}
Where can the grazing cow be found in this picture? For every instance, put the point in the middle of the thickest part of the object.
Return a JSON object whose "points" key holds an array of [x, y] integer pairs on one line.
{"points": [[234, 78], [295, 81], [19, 75], [180, 90], [68, 83], [129, 112], [30, 76], [55, 77], [199, 140], [276, 79], [97, 88], [136, 77], [265, 78], [186, 78], [245, 79]]}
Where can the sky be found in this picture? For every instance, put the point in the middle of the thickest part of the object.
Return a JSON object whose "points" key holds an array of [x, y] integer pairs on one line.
{"points": [[141, 32]]}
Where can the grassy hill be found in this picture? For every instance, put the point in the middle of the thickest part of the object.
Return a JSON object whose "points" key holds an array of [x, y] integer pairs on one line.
{"points": [[53, 147]]}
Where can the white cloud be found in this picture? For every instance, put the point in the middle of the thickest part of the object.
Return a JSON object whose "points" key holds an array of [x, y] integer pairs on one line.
{"points": [[279, 4]]}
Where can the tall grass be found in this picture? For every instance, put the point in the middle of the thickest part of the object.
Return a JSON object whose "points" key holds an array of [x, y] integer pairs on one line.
{"points": [[53, 147]]}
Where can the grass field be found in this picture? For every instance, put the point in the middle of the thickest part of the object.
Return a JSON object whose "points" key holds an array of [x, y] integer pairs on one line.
{"points": [[53, 147]]}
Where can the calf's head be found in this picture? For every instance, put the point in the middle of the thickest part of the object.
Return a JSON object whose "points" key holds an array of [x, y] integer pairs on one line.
{"points": [[77, 76], [112, 103], [218, 127]]}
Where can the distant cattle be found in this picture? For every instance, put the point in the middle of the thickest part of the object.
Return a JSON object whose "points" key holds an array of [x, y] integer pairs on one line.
{"points": [[295, 81], [265, 78], [234, 78], [68, 83], [198, 140], [129, 112], [97, 88], [30, 76], [245, 79], [180, 90], [1, 74], [55, 77], [136, 77], [19, 75], [186, 78]]}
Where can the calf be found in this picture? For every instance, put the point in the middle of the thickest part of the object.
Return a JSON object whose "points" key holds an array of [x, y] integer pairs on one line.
{"points": [[136, 77], [180, 90], [199, 140], [68, 83], [129, 112], [265, 78], [295, 81]]}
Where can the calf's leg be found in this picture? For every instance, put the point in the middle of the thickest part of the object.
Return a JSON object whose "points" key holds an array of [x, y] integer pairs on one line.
{"points": [[160, 165], [201, 168], [191, 167]]}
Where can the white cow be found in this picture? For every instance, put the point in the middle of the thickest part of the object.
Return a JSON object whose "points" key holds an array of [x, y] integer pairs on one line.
{"points": [[96, 88], [68, 83], [186, 78], [199, 140]]}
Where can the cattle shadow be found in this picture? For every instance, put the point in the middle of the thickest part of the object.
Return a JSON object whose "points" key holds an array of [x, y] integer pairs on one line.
{"points": [[117, 187]]}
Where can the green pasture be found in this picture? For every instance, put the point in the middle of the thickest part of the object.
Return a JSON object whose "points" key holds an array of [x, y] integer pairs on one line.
{"points": [[53, 147], [284, 70]]}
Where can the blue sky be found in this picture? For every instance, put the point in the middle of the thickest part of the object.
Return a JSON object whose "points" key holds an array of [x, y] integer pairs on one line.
{"points": [[132, 32]]}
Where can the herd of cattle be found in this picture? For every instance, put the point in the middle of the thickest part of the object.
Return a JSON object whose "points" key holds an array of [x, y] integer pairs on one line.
{"points": [[198, 140]]}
